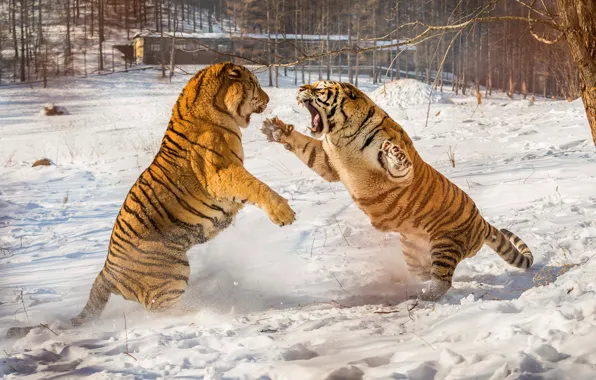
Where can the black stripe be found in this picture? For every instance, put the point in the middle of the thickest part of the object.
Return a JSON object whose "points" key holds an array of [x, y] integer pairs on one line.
{"points": [[182, 203], [169, 140], [441, 264], [111, 271], [341, 107], [178, 110], [118, 223], [311, 158], [370, 138], [143, 207], [199, 84], [136, 215], [153, 274], [182, 135], [237, 156], [305, 146]]}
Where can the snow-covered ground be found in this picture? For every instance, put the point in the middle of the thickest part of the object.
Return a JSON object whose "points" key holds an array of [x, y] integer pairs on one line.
{"points": [[259, 304]]}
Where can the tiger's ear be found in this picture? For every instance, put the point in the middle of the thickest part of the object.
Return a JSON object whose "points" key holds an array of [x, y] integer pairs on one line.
{"points": [[234, 73]]}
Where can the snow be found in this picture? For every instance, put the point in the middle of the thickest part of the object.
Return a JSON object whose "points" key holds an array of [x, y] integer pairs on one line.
{"points": [[259, 303], [406, 92]]}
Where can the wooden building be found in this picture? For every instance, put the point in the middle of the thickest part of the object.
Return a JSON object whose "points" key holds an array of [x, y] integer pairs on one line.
{"points": [[207, 48]]}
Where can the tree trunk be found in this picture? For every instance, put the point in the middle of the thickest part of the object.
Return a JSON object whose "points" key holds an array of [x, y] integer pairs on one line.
{"points": [[173, 51], [327, 43], [374, 53], [210, 20], [275, 52], [321, 31], [269, 44], [126, 24], [67, 50], [357, 55], [350, 73], [200, 16], [14, 39], [161, 53], [578, 18], [296, 42], [22, 21], [92, 16]]}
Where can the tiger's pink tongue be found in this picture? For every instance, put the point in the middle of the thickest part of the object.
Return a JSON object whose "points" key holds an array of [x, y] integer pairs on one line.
{"points": [[316, 122]]}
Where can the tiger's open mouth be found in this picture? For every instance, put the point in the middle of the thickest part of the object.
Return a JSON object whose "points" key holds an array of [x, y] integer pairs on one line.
{"points": [[316, 122]]}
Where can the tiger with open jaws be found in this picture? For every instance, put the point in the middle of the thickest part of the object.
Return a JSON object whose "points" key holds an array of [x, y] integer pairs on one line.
{"points": [[191, 191], [373, 156]]}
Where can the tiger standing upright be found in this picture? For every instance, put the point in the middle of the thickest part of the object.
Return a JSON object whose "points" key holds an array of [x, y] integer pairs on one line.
{"points": [[191, 191], [374, 157]]}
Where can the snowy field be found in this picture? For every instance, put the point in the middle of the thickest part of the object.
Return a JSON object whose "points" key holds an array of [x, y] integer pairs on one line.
{"points": [[260, 301]]}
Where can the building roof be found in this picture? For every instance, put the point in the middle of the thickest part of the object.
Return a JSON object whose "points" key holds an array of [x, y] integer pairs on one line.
{"points": [[279, 36]]}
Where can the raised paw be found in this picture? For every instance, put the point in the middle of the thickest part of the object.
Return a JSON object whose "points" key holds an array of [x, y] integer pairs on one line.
{"points": [[395, 156], [395, 162], [279, 211], [277, 131]]}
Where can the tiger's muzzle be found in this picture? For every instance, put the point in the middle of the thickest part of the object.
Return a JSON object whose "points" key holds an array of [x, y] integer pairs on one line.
{"points": [[306, 98]]}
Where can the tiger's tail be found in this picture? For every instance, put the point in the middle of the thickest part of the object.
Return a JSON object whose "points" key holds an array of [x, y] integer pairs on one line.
{"points": [[509, 246], [98, 298]]}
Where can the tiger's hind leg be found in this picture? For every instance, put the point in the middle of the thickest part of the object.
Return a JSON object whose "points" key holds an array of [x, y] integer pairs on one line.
{"points": [[98, 298], [445, 255], [166, 296], [415, 257]]}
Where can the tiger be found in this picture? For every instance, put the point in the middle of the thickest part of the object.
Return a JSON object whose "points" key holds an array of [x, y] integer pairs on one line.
{"points": [[356, 142], [191, 191]]}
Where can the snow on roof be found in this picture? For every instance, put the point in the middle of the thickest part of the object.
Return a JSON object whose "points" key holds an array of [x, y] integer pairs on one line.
{"points": [[279, 36]]}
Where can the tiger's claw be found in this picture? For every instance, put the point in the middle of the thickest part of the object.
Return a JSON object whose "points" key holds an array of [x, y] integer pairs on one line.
{"points": [[277, 131], [396, 157]]}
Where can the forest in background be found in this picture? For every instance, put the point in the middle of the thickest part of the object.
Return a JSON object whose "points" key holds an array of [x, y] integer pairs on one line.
{"points": [[41, 39]]}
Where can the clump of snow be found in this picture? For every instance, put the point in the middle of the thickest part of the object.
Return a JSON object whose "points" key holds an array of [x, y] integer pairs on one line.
{"points": [[50, 109], [406, 92]]}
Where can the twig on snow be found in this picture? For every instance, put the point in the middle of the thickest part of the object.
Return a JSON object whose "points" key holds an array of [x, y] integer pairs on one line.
{"points": [[340, 285], [341, 231], [126, 338], [47, 327]]}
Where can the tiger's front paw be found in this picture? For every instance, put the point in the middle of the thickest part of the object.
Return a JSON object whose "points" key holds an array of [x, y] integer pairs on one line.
{"points": [[394, 160], [279, 211], [277, 131]]}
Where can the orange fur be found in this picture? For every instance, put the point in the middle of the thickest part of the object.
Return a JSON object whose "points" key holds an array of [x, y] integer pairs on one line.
{"points": [[376, 160]]}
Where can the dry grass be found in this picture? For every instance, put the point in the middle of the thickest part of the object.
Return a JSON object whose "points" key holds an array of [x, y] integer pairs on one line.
{"points": [[451, 155], [10, 159], [126, 337], [550, 273]]}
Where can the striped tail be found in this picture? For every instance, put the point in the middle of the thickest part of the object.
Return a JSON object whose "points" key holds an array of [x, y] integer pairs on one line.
{"points": [[510, 247], [98, 298]]}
